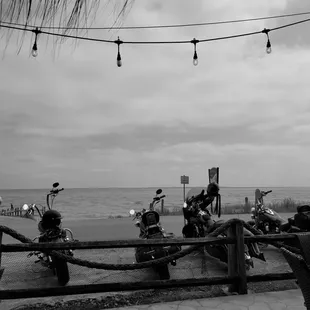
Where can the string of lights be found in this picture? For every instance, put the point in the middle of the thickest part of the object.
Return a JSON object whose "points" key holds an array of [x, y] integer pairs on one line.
{"points": [[119, 42], [163, 26]]}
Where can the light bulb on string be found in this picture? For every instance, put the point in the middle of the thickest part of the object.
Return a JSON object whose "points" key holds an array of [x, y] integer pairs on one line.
{"points": [[195, 57], [34, 51], [118, 58], [268, 45]]}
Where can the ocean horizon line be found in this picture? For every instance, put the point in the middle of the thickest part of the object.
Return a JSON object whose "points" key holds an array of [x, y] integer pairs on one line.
{"points": [[152, 187]]}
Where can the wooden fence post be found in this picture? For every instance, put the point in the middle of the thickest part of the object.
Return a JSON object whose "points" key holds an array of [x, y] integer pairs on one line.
{"points": [[246, 205], [1, 268], [236, 259]]}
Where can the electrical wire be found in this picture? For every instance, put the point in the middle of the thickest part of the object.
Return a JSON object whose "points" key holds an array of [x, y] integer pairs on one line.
{"points": [[153, 42], [163, 26]]}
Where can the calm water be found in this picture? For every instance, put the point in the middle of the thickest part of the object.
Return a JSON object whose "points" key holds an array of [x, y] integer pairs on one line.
{"points": [[101, 203]]}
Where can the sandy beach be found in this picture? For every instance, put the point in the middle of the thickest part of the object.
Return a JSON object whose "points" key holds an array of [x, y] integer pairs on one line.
{"points": [[105, 229]]}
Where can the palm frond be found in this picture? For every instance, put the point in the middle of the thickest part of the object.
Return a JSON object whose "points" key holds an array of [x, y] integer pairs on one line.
{"points": [[64, 15], [61, 13]]}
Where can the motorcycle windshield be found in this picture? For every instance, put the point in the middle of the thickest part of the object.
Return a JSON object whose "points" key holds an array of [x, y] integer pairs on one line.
{"points": [[194, 192]]}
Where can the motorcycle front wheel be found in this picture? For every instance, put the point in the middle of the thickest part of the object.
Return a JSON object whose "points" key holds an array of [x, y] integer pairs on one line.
{"points": [[62, 270]]}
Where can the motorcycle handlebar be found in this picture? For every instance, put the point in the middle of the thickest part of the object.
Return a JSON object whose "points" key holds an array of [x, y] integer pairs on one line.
{"points": [[158, 198], [268, 192], [56, 191]]}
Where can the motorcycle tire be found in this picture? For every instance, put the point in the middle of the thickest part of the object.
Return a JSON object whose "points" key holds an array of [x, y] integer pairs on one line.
{"points": [[252, 222], [163, 272], [62, 271], [248, 264]]}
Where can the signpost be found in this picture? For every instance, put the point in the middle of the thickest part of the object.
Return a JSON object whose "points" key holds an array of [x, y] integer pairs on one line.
{"points": [[184, 180]]}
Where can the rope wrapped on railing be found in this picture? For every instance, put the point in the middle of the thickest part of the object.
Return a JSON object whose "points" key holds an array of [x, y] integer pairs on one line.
{"points": [[163, 260]]}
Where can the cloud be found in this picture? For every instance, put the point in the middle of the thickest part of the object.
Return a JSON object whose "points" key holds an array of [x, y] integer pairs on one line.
{"points": [[76, 117]]}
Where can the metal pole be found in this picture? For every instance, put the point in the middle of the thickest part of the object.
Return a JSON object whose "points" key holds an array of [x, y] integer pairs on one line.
{"points": [[184, 201]]}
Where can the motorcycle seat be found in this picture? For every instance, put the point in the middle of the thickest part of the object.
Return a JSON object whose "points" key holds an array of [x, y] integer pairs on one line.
{"points": [[215, 225]]}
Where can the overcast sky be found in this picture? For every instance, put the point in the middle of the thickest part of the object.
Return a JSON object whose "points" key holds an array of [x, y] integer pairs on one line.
{"points": [[76, 118]]}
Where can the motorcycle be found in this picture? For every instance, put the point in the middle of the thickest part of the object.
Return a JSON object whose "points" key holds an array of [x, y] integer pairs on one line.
{"points": [[265, 219], [150, 228], [300, 222], [197, 227], [51, 231]]}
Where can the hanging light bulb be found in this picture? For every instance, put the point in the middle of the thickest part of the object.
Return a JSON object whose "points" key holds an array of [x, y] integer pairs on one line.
{"points": [[268, 45], [195, 57], [34, 51], [118, 58]]}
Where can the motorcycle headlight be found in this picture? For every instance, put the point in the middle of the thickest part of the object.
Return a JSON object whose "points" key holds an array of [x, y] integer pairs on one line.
{"points": [[185, 205], [25, 207]]}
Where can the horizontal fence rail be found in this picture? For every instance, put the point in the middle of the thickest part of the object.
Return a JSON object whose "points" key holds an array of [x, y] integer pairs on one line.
{"points": [[83, 245]]}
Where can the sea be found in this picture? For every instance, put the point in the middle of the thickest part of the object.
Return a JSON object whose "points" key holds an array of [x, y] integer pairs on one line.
{"points": [[96, 203]]}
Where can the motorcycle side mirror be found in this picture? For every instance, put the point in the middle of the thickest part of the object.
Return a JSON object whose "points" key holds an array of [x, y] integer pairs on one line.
{"points": [[55, 185], [132, 212], [159, 191], [25, 207]]}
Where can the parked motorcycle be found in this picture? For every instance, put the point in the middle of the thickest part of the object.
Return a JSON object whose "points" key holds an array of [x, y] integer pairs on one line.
{"points": [[199, 223], [51, 231], [265, 219], [150, 228], [300, 222]]}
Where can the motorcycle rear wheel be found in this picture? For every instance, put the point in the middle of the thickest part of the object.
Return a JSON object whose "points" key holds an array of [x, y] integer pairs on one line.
{"points": [[163, 272], [62, 271]]}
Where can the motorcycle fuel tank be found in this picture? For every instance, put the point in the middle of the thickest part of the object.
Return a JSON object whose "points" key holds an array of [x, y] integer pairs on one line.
{"points": [[271, 216]]}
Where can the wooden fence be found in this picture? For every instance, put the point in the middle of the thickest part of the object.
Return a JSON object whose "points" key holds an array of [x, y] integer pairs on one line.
{"points": [[19, 212], [236, 278]]}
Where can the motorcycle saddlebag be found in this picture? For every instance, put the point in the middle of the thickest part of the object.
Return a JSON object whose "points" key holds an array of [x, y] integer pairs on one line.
{"points": [[302, 220], [147, 254]]}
